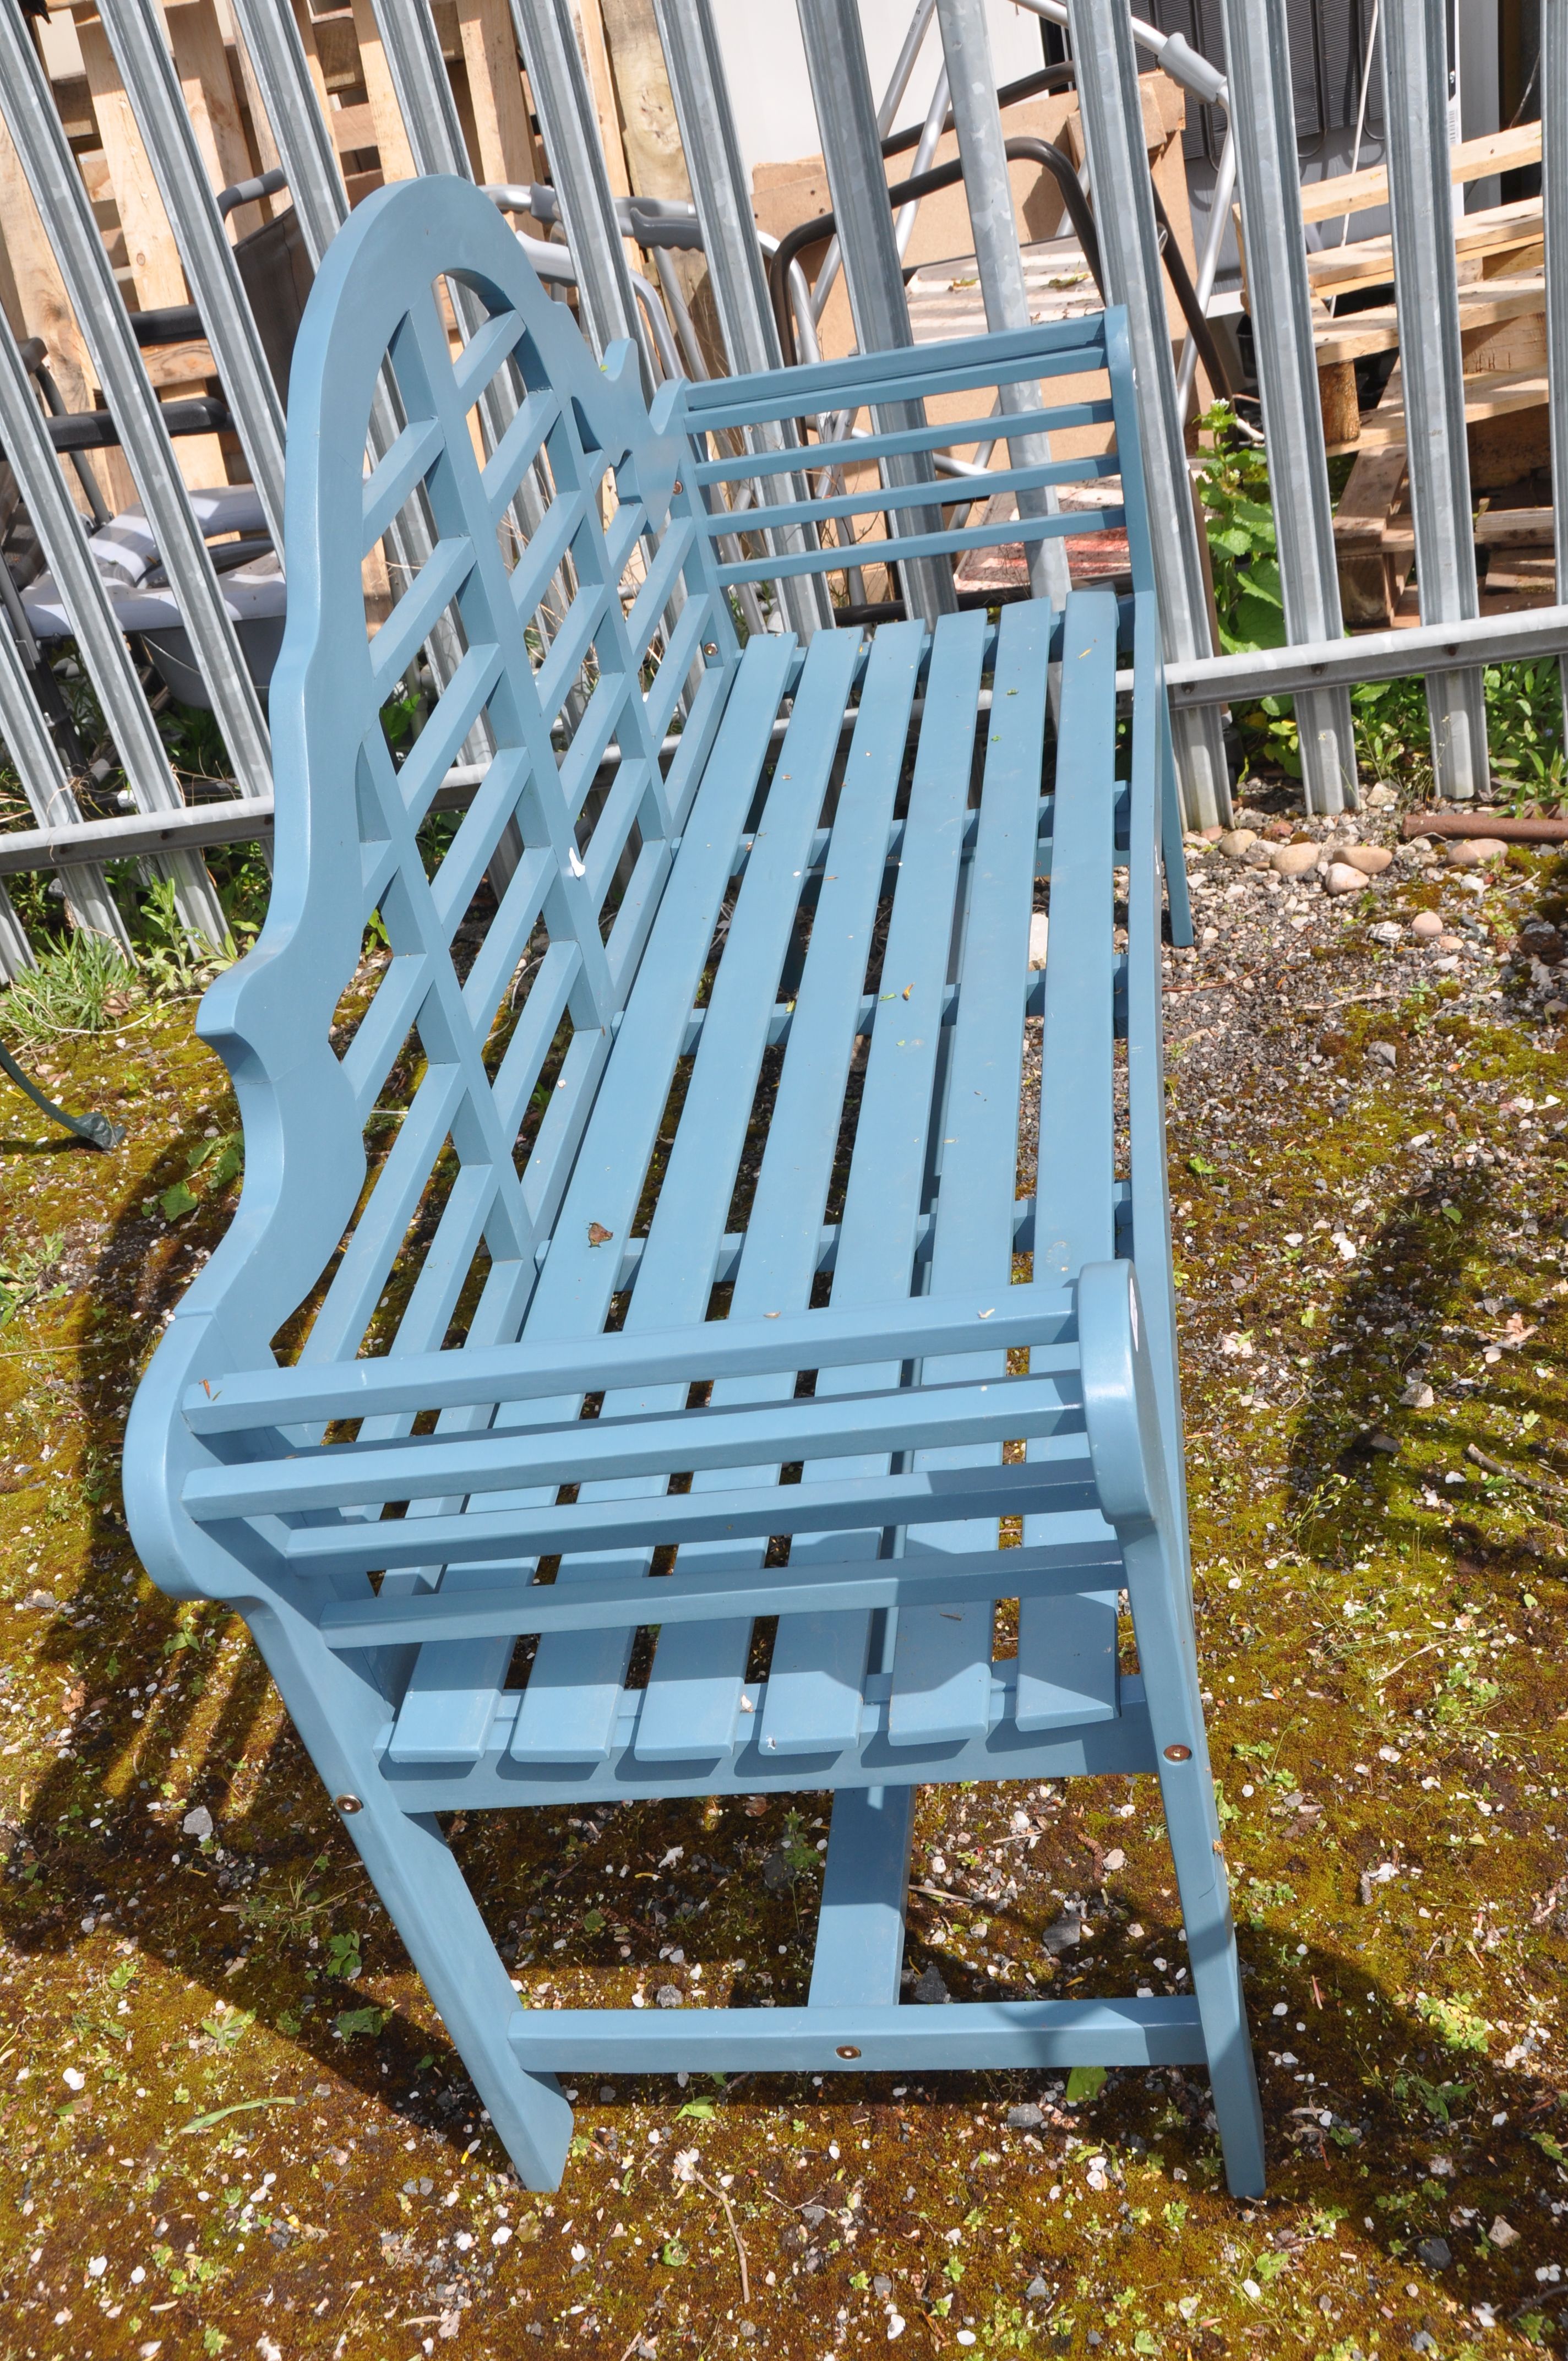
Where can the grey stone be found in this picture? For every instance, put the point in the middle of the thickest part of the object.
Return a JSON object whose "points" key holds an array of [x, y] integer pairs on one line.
{"points": [[670, 1997], [1024, 2119], [882, 2286], [197, 1823], [930, 1990], [1036, 2291], [1384, 1051], [1436, 2253], [1064, 1933]]}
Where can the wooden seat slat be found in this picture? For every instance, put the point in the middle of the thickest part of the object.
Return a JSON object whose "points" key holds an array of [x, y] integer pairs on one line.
{"points": [[1066, 1657], [941, 1665], [778, 1257]]}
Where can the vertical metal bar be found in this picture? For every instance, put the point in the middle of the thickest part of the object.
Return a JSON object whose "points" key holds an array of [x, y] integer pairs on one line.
{"points": [[988, 190], [55, 520], [412, 49], [62, 200], [734, 258], [1431, 365], [1554, 206], [137, 35], [298, 128], [1112, 110], [37, 762], [1263, 139], [846, 118], [898, 83], [558, 80]]}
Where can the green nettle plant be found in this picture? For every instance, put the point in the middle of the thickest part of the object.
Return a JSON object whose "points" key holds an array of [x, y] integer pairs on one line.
{"points": [[1244, 559], [1524, 702]]}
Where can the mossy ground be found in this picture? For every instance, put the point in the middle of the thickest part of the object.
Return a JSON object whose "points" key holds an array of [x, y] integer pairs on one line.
{"points": [[232, 2123]]}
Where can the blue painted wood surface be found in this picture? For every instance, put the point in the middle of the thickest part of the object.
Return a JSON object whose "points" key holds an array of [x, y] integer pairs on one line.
{"points": [[641, 1244]]}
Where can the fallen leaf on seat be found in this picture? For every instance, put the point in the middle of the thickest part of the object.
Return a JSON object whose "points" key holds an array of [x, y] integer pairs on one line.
{"points": [[597, 1235]]}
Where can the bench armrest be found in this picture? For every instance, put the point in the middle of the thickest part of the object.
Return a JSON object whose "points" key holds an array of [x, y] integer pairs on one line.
{"points": [[713, 1349]]}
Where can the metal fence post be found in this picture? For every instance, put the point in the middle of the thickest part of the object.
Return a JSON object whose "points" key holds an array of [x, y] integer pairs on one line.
{"points": [[37, 762], [852, 149], [143, 756], [558, 80], [298, 128], [62, 200], [136, 36], [1263, 139], [988, 189], [1554, 207], [1432, 364], [734, 258], [1112, 110]]}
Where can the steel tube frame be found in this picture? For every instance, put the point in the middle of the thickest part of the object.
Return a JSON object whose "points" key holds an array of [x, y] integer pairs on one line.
{"points": [[28, 103], [1209, 267], [1112, 113], [1431, 650], [1554, 208], [1263, 139], [988, 192], [1426, 293], [846, 119], [135, 34], [707, 122]]}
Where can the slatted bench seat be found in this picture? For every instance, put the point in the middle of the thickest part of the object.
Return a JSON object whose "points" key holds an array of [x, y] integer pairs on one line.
{"points": [[642, 1250]]}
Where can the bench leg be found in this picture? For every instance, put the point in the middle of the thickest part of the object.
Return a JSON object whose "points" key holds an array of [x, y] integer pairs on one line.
{"points": [[427, 1897], [865, 1885], [1134, 1479], [1169, 1660], [338, 1711]]}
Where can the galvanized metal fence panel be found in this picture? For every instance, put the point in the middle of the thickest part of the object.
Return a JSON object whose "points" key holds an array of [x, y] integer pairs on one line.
{"points": [[1261, 101]]}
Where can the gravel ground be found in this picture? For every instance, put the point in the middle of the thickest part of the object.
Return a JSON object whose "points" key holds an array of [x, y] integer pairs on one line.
{"points": [[230, 2120]]}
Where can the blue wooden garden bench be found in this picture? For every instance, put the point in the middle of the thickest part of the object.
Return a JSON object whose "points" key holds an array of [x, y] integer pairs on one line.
{"points": [[650, 1256]]}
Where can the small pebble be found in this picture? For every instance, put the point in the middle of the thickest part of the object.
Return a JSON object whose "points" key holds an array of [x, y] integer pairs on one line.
{"points": [[1426, 923], [1382, 797], [1474, 852], [1388, 931], [1236, 841], [1436, 2253], [1384, 1051], [1370, 859], [1294, 860], [1342, 879]]}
